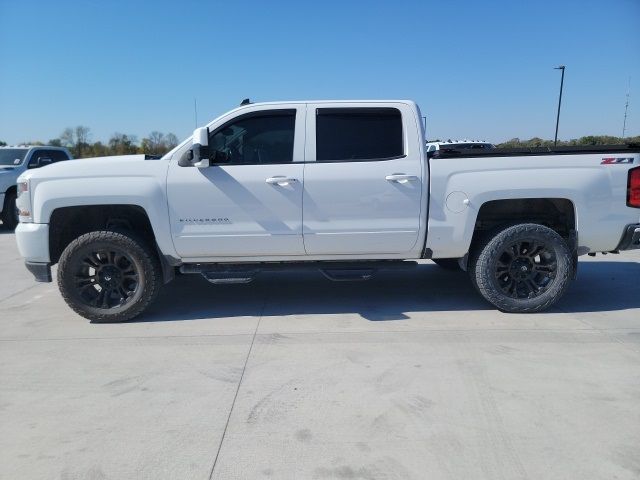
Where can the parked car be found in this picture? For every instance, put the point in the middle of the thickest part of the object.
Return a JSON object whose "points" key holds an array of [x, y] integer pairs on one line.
{"points": [[345, 187], [13, 162]]}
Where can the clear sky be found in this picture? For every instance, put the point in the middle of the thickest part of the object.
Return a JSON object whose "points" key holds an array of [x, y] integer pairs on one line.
{"points": [[478, 69]]}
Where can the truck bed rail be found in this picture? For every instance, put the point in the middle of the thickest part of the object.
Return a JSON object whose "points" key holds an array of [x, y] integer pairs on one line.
{"points": [[535, 151]]}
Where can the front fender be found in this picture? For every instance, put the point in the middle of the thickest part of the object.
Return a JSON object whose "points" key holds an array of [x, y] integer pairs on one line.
{"points": [[145, 192]]}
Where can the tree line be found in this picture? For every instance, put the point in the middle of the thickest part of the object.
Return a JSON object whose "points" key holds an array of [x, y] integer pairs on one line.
{"points": [[588, 140], [78, 141]]}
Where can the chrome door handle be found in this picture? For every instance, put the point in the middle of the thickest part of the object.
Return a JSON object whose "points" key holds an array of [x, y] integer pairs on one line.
{"points": [[282, 181], [400, 178]]}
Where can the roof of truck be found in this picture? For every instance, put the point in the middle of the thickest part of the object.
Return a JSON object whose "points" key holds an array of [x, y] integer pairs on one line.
{"points": [[245, 104]]}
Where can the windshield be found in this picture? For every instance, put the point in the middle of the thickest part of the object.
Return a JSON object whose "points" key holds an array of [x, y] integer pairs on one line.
{"points": [[12, 156]]}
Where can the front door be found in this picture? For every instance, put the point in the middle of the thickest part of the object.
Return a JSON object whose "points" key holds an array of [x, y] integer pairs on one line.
{"points": [[363, 181], [250, 206]]}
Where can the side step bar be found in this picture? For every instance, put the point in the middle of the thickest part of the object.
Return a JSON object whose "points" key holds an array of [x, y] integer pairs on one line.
{"points": [[221, 273]]}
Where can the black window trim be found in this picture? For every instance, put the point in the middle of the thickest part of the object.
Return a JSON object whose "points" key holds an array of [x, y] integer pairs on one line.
{"points": [[333, 110], [280, 112], [360, 160]]}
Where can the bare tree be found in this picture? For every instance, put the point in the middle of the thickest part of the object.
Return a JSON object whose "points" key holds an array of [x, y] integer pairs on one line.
{"points": [[82, 135], [67, 137], [170, 141]]}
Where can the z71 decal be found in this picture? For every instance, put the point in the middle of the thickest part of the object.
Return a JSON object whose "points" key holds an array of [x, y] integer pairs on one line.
{"points": [[613, 160]]}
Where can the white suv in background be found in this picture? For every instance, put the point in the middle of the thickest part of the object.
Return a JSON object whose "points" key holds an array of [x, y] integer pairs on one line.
{"points": [[14, 161]]}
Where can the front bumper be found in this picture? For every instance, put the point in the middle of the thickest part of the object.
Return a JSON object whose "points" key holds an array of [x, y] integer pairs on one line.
{"points": [[33, 242], [41, 271], [630, 238]]}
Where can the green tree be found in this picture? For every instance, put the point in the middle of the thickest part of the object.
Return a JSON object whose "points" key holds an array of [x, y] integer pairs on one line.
{"points": [[123, 144], [586, 140]]}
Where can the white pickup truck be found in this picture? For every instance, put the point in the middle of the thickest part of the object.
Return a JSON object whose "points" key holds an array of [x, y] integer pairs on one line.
{"points": [[345, 187]]}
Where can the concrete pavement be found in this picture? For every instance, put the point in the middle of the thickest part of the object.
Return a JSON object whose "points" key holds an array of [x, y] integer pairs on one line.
{"points": [[407, 376]]}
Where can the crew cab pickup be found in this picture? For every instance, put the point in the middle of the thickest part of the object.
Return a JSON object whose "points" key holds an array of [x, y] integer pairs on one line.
{"points": [[345, 187], [14, 161]]}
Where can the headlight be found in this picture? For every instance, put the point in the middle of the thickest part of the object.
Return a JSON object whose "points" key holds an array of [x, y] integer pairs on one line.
{"points": [[23, 202], [23, 187]]}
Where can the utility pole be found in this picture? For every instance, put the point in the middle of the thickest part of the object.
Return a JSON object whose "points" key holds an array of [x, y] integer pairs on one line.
{"points": [[626, 107], [561, 67]]}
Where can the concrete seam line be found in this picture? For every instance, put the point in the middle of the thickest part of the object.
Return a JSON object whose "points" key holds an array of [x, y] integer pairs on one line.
{"points": [[10, 296], [235, 397]]}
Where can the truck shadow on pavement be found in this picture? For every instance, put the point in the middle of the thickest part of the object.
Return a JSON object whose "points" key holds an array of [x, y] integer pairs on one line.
{"points": [[601, 286]]}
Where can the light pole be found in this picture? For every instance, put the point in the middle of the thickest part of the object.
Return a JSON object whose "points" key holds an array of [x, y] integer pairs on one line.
{"points": [[561, 67]]}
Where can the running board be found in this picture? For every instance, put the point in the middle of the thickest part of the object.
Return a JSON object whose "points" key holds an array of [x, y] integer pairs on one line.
{"points": [[228, 277], [221, 273], [348, 274]]}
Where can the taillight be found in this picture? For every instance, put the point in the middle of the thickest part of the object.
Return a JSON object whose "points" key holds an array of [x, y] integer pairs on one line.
{"points": [[633, 188]]}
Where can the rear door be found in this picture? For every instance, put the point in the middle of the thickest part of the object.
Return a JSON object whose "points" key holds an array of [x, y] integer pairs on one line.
{"points": [[363, 179]]}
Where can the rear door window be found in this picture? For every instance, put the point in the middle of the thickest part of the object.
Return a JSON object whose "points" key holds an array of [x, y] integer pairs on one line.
{"points": [[358, 134]]}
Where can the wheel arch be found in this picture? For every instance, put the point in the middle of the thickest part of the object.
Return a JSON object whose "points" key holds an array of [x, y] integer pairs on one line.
{"points": [[559, 214], [68, 223]]}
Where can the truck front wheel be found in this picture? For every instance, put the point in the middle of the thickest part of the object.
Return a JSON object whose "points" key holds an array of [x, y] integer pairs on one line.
{"points": [[523, 268], [108, 276]]}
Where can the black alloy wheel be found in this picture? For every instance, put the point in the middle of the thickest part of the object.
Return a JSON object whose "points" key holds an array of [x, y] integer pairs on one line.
{"points": [[109, 276], [523, 268], [106, 278]]}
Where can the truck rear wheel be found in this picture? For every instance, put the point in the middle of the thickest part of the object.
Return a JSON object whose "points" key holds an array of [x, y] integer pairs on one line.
{"points": [[523, 268], [109, 276]]}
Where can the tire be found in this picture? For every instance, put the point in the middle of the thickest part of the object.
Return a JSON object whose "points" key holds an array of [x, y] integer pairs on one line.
{"points": [[448, 264], [10, 211], [523, 268], [109, 276]]}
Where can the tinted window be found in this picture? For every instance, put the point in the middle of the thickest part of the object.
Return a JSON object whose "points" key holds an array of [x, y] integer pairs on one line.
{"points": [[358, 134], [257, 138], [52, 155], [58, 155]]}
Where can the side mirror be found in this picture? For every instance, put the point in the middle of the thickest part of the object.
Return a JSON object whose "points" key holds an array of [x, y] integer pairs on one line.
{"points": [[198, 155], [40, 162]]}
